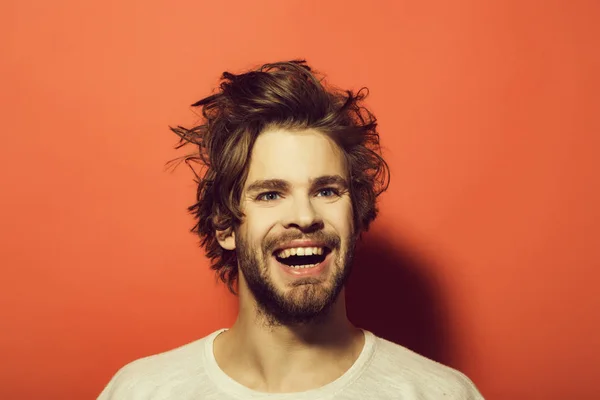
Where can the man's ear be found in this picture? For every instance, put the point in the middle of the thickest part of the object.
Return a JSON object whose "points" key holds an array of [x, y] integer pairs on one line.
{"points": [[226, 239]]}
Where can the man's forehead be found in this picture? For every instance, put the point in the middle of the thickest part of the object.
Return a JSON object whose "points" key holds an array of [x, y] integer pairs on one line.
{"points": [[300, 156]]}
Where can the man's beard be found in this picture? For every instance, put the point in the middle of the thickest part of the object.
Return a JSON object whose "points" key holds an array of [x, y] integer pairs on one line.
{"points": [[306, 300]]}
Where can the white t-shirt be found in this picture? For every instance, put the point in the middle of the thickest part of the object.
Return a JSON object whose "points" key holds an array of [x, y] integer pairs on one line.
{"points": [[383, 370]]}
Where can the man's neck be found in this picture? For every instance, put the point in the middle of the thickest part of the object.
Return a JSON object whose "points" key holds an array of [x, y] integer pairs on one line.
{"points": [[289, 358]]}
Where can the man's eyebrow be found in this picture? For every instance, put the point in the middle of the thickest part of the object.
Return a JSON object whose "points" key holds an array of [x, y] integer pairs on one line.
{"points": [[282, 185], [268, 184], [330, 180]]}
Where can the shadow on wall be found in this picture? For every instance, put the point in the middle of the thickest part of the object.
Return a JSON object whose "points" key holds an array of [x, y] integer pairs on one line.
{"points": [[391, 293]]}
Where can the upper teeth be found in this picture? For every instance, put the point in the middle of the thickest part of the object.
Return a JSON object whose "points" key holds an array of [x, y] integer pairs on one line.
{"points": [[300, 251]]}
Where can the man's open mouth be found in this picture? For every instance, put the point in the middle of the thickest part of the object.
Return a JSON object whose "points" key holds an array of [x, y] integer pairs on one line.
{"points": [[302, 257]]}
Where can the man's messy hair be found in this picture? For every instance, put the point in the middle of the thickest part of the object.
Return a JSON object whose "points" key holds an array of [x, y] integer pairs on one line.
{"points": [[287, 95]]}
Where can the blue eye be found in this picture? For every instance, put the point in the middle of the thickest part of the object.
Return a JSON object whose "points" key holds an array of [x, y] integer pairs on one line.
{"points": [[269, 196], [328, 192]]}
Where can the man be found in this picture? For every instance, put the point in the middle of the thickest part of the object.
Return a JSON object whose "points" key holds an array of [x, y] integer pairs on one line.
{"points": [[291, 173]]}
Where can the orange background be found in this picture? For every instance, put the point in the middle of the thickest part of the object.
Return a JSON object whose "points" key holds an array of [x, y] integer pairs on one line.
{"points": [[486, 254]]}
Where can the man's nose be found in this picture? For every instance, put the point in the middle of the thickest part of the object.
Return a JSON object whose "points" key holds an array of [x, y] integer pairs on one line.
{"points": [[303, 215]]}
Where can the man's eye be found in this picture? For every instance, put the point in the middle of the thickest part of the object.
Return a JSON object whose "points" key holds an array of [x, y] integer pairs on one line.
{"points": [[328, 192], [269, 196]]}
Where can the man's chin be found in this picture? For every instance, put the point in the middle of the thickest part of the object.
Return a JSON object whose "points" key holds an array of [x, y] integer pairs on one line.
{"points": [[307, 293], [297, 314], [288, 298], [304, 301], [301, 290]]}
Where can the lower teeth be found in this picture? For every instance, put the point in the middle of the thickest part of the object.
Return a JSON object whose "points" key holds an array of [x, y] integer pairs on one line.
{"points": [[303, 266]]}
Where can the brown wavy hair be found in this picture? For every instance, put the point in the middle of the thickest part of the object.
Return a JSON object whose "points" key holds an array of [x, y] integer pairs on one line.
{"points": [[286, 95]]}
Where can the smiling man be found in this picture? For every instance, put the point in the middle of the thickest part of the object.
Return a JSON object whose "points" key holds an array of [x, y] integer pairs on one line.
{"points": [[291, 175]]}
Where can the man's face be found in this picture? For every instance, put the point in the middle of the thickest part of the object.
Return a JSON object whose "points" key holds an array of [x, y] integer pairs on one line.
{"points": [[295, 244]]}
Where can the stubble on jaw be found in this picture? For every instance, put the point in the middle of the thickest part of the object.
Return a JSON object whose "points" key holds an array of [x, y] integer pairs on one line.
{"points": [[306, 302]]}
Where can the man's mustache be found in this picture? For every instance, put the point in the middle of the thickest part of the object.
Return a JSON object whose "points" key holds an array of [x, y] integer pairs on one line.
{"points": [[331, 240]]}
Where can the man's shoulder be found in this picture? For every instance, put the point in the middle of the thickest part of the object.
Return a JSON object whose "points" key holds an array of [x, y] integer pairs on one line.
{"points": [[400, 359], [159, 370], [413, 372], [163, 364]]}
